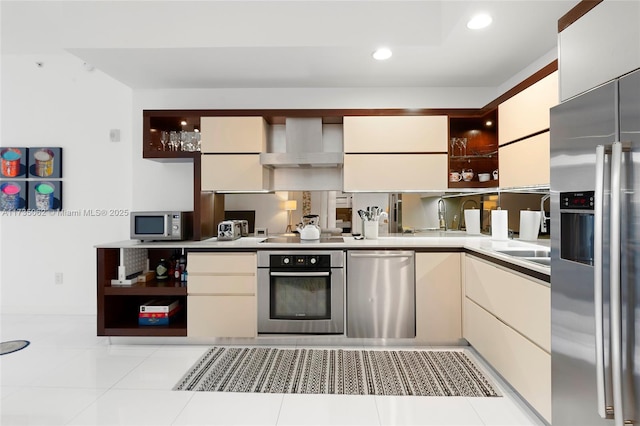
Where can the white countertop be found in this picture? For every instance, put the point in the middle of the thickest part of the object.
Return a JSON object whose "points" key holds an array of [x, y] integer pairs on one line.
{"points": [[481, 244]]}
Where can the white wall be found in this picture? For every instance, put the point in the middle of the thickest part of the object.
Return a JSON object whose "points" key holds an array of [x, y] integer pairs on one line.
{"points": [[63, 105]]}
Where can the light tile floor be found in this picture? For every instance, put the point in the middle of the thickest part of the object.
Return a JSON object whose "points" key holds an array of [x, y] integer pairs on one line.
{"points": [[69, 376]]}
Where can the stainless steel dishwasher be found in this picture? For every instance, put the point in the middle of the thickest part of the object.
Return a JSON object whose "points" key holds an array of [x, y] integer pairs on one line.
{"points": [[381, 294]]}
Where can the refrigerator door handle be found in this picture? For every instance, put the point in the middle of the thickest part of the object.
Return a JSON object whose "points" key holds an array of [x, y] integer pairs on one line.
{"points": [[597, 281], [615, 289]]}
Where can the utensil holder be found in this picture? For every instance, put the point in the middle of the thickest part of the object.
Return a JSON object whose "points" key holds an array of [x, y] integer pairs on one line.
{"points": [[371, 229]]}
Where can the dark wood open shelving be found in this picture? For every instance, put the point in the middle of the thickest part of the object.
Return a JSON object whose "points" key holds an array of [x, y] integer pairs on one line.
{"points": [[153, 288], [119, 306], [481, 152]]}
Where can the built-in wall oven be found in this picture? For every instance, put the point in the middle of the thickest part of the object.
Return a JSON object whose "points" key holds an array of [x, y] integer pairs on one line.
{"points": [[301, 292]]}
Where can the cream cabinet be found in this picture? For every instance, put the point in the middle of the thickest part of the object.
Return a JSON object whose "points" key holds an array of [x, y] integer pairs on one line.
{"points": [[231, 148], [221, 295], [527, 112], [506, 318], [525, 163], [438, 298], [234, 172], [395, 134], [233, 134], [394, 172], [598, 47]]}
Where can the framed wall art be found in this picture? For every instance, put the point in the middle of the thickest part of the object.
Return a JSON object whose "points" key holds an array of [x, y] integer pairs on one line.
{"points": [[13, 195], [45, 195], [45, 162], [13, 163]]}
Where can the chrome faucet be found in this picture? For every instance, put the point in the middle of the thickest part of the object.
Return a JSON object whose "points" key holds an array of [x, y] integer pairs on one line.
{"points": [[442, 214], [543, 218], [464, 203]]}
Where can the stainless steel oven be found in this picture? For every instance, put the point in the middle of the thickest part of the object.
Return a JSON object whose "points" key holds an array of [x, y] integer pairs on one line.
{"points": [[301, 292]]}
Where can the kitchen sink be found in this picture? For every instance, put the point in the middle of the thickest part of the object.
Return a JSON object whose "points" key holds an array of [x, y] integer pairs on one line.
{"points": [[541, 257], [541, 260], [526, 253]]}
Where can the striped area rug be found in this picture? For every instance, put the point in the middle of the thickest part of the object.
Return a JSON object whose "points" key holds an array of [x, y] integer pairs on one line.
{"points": [[336, 371]]}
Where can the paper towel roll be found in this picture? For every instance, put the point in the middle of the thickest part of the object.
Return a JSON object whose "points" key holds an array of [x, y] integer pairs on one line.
{"points": [[529, 225], [499, 224], [472, 221]]}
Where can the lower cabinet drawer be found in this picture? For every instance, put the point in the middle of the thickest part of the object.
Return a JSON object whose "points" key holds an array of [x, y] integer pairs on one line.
{"points": [[522, 303], [222, 285], [222, 316], [523, 364], [230, 263]]}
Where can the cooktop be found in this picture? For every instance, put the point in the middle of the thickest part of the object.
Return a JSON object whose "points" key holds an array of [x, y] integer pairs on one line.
{"points": [[297, 240]]}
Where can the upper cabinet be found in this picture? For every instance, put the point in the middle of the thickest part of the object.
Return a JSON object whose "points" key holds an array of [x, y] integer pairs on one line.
{"points": [[394, 172], [231, 148], [233, 135], [473, 151], [600, 46], [395, 153], [157, 122], [523, 134], [384, 134], [528, 112]]}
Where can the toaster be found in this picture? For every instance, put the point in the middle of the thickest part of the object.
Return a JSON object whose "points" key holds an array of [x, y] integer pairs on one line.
{"points": [[244, 227], [229, 230]]}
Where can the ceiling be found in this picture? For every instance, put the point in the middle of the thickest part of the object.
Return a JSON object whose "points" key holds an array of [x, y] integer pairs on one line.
{"points": [[295, 43]]}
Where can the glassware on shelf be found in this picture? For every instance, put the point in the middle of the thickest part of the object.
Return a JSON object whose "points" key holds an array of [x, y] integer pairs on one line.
{"points": [[461, 144], [164, 138], [174, 140], [191, 142], [185, 139]]}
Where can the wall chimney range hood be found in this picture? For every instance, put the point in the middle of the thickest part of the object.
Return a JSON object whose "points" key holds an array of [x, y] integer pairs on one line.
{"points": [[304, 147]]}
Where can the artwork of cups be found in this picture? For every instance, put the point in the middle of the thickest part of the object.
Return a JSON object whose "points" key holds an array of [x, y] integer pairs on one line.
{"points": [[45, 162], [12, 195], [45, 195], [13, 162], [30, 178]]}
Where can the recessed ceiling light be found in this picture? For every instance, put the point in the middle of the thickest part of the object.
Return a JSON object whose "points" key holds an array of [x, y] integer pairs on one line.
{"points": [[382, 53], [481, 20], [488, 123]]}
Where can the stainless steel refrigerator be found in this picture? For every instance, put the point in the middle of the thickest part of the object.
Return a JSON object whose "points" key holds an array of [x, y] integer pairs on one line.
{"points": [[595, 256]]}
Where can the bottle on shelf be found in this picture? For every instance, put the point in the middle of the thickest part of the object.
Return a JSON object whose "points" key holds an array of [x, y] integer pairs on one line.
{"points": [[162, 270]]}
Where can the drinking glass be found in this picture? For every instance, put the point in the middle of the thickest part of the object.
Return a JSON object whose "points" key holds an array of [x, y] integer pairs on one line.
{"points": [[185, 137], [174, 140], [164, 138]]}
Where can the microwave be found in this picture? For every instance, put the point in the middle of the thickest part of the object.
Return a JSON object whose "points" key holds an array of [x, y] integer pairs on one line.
{"points": [[161, 226]]}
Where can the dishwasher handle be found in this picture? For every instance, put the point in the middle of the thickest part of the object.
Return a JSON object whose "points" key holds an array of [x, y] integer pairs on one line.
{"points": [[381, 255]]}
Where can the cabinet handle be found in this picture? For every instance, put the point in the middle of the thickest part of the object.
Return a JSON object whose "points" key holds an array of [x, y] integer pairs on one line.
{"points": [[380, 255]]}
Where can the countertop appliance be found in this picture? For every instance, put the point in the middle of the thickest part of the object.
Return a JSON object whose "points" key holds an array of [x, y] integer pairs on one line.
{"points": [[229, 230], [301, 292], [161, 225], [595, 256], [381, 294]]}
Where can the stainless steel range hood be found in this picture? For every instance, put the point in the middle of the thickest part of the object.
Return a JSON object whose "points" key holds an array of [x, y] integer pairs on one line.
{"points": [[304, 147]]}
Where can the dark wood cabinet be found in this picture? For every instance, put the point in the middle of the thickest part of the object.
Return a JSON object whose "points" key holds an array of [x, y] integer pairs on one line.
{"points": [[473, 145], [118, 306], [157, 121]]}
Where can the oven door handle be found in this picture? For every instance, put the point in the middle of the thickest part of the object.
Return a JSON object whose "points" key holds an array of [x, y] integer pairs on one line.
{"points": [[299, 274]]}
